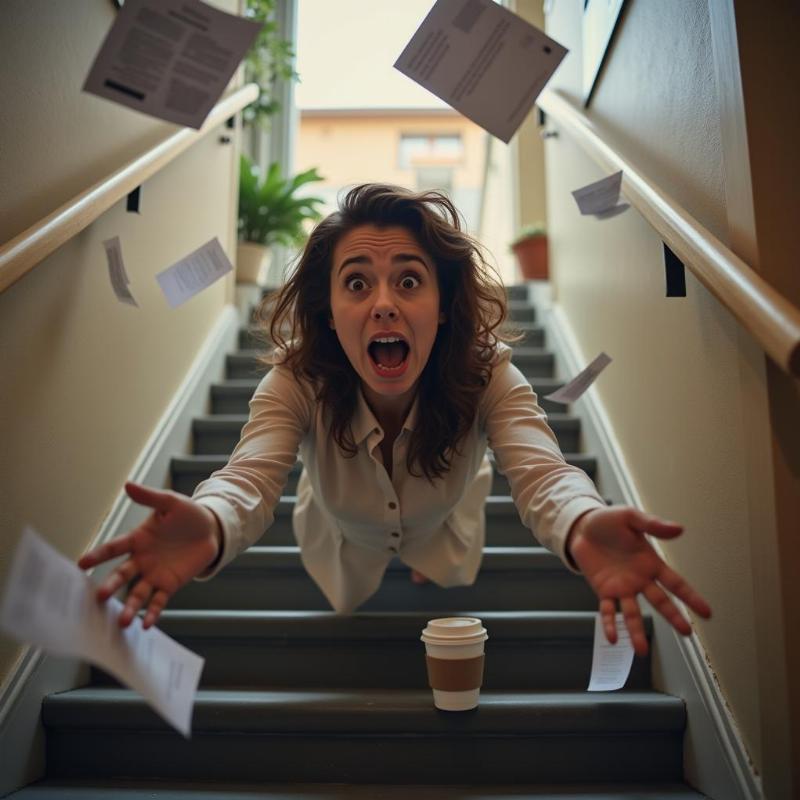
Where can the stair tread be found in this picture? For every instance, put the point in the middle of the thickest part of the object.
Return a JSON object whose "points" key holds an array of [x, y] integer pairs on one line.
{"points": [[348, 711], [555, 419], [403, 626], [505, 559], [184, 790]]}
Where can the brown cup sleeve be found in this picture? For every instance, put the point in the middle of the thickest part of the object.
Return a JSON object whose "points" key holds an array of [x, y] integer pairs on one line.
{"points": [[455, 676]]}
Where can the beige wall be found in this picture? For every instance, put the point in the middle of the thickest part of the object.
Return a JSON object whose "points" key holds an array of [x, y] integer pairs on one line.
{"points": [[358, 148], [674, 392], [529, 144], [84, 378]]}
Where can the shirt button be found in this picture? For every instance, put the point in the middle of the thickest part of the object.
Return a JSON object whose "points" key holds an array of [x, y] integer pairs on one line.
{"points": [[393, 549], [393, 505], [395, 533], [376, 431]]}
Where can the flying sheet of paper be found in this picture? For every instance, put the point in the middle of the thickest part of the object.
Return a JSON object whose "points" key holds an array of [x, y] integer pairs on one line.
{"points": [[601, 198], [116, 271], [50, 602], [483, 60], [197, 271], [571, 391], [611, 663], [171, 59]]}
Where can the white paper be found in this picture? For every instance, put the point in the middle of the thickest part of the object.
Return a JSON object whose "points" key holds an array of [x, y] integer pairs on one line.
{"points": [[171, 59], [611, 663], [483, 60], [197, 271], [601, 198], [116, 272], [50, 602], [571, 391]]}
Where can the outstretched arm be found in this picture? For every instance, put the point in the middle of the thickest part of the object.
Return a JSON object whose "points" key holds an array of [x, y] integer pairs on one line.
{"points": [[609, 547]]}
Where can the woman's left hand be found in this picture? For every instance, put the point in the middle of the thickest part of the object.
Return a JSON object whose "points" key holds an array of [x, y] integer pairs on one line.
{"points": [[609, 547]]}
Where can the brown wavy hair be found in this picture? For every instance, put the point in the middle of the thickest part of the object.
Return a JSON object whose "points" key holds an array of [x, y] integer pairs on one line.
{"points": [[459, 367]]}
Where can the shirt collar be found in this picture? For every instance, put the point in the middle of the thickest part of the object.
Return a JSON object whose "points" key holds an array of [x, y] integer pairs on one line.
{"points": [[364, 422]]}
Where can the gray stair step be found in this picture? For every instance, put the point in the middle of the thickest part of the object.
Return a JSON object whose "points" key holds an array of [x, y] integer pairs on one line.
{"points": [[521, 311], [503, 525], [187, 471], [533, 361], [233, 396], [374, 736], [527, 650], [517, 292], [219, 433], [510, 578], [183, 790], [253, 337]]}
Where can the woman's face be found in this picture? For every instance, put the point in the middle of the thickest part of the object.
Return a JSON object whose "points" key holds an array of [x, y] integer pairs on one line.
{"points": [[385, 310]]}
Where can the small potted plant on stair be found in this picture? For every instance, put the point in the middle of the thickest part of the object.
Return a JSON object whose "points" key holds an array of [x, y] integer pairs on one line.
{"points": [[530, 248], [270, 212]]}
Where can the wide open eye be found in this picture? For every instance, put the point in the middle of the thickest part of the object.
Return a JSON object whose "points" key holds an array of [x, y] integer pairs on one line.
{"points": [[355, 283], [410, 282]]}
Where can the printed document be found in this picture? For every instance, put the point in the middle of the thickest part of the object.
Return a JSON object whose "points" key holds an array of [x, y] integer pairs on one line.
{"points": [[611, 663], [197, 271], [601, 198], [571, 391], [483, 60], [171, 59], [50, 602], [116, 272]]}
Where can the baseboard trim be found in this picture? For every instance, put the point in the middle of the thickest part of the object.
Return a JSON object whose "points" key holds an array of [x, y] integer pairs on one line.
{"points": [[715, 758], [35, 674]]}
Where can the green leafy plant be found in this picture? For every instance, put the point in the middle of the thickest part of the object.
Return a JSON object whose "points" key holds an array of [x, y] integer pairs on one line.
{"points": [[269, 60], [269, 210]]}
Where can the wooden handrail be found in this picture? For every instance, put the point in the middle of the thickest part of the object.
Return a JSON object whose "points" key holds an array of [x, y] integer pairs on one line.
{"points": [[764, 312], [26, 250]]}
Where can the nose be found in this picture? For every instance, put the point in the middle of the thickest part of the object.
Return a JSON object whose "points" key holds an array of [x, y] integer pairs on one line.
{"points": [[384, 307]]}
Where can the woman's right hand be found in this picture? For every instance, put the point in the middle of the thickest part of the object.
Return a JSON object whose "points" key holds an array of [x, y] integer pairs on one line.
{"points": [[177, 542]]}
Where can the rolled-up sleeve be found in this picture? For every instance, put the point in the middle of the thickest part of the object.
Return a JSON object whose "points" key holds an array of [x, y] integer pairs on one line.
{"points": [[548, 493], [244, 493]]}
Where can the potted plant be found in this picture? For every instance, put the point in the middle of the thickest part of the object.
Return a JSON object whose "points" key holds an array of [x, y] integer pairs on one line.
{"points": [[530, 248], [270, 212]]}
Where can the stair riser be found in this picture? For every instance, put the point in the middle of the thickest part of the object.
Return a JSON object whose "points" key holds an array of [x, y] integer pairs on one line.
{"points": [[460, 758], [221, 442], [522, 313], [500, 532], [292, 589], [185, 482], [527, 665]]}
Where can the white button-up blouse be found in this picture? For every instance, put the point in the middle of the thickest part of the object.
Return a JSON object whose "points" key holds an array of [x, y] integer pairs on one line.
{"points": [[351, 518]]}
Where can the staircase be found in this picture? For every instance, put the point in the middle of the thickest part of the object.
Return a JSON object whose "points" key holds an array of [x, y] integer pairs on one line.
{"points": [[297, 702]]}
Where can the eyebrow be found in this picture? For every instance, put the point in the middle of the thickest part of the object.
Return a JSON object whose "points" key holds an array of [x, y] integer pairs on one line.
{"points": [[400, 258]]}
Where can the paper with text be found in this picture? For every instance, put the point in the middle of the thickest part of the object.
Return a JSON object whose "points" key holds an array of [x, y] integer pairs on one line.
{"points": [[50, 602], [483, 60], [571, 391], [116, 271], [611, 663], [601, 198], [171, 59], [197, 271]]}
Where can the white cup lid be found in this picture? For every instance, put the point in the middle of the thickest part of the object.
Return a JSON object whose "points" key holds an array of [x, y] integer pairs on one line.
{"points": [[454, 629]]}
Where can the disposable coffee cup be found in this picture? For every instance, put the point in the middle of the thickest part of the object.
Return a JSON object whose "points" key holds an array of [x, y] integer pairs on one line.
{"points": [[454, 656]]}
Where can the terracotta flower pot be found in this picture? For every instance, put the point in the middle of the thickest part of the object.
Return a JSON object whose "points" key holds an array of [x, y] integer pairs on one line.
{"points": [[531, 256]]}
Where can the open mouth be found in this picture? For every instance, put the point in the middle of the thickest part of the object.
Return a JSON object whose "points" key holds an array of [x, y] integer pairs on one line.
{"points": [[389, 355]]}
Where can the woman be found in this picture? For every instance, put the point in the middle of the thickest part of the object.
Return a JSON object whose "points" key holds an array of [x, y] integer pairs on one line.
{"points": [[391, 386]]}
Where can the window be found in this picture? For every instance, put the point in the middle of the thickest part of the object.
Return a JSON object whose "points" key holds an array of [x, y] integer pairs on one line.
{"points": [[446, 148]]}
